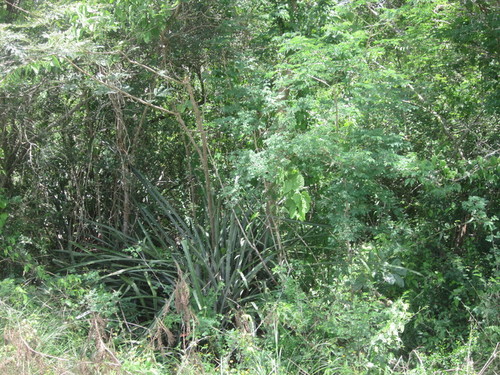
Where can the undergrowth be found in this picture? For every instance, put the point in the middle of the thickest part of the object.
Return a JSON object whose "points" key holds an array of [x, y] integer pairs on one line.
{"points": [[72, 325]]}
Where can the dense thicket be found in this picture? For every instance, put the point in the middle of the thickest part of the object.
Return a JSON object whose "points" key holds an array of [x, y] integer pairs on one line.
{"points": [[231, 172]]}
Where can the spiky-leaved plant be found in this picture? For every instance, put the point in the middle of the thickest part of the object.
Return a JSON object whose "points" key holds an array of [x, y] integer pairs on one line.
{"points": [[223, 272]]}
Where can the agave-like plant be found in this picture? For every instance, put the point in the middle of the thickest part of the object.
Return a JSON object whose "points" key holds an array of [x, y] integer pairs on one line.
{"points": [[223, 272], [140, 270]]}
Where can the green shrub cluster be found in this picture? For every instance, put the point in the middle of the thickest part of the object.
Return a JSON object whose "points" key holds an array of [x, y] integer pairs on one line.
{"points": [[73, 324]]}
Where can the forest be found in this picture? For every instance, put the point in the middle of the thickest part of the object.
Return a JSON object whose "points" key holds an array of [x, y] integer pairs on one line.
{"points": [[249, 187]]}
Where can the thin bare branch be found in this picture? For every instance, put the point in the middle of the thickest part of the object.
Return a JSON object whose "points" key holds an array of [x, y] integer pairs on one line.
{"points": [[124, 93], [15, 6], [151, 70]]}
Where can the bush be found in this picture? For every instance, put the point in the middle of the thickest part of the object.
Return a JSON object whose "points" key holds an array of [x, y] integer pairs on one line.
{"points": [[331, 329]]}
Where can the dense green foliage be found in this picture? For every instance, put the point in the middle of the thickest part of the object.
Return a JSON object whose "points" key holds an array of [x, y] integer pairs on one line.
{"points": [[249, 187]]}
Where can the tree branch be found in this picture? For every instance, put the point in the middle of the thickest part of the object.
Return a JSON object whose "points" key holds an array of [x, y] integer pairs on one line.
{"points": [[124, 93]]}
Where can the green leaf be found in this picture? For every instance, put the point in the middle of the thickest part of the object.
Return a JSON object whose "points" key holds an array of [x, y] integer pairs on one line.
{"points": [[3, 219], [55, 61]]}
